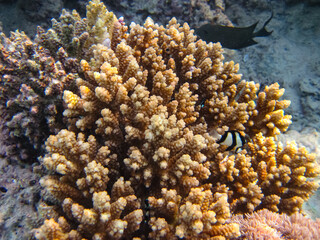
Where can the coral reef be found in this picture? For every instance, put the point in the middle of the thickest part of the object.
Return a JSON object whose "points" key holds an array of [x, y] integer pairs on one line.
{"points": [[288, 62], [265, 224], [25, 71], [148, 104], [142, 108], [31, 85], [35, 74], [283, 173]]}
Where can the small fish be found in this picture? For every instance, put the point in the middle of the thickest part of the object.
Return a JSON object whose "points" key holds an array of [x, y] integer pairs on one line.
{"points": [[232, 37], [233, 139]]}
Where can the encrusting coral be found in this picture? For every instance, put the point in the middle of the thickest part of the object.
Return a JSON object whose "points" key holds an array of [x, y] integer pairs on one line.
{"points": [[139, 158]]}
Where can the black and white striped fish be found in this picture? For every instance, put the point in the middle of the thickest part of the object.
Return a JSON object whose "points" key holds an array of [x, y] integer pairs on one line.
{"points": [[233, 139]]}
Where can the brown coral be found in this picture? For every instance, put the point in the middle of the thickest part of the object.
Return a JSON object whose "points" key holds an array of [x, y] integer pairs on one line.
{"points": [[140, 158], [31, 84], [81, 190], [201, 215], [283, 173]]}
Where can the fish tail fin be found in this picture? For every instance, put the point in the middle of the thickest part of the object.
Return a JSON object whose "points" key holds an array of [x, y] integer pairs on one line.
{"points": [[263, 31]]}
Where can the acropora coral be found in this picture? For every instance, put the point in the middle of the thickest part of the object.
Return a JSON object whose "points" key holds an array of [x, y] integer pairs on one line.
{"points": [[135, 154], [31, 86]]}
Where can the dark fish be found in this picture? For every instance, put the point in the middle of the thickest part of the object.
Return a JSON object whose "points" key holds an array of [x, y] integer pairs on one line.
{"points": [[232, 37], [233, 140]]}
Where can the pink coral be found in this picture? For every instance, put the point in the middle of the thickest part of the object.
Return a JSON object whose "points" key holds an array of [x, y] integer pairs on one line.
{"points": [[265, 224]]}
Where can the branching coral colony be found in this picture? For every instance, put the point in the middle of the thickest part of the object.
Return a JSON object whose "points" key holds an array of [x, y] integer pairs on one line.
{"points": [[136, 157]]}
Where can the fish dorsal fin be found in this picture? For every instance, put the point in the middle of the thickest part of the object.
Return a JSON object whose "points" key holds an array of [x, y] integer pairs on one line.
{"points": [[253, 26], [263, 31]]}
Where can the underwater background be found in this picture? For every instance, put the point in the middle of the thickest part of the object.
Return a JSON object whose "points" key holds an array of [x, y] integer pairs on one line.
{"points": [[289, 56]]}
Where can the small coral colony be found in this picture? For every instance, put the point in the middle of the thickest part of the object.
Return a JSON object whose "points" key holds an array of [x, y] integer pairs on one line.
{"points": [[145, 132]]}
